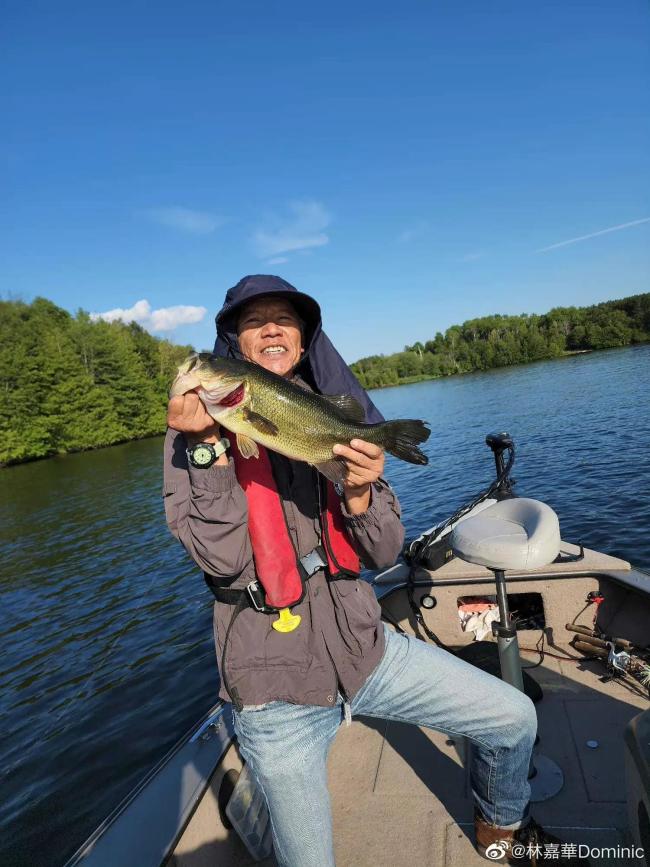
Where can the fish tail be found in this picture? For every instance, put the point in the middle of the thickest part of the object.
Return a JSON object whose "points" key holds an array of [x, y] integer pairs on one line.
{"points": [[402, 437]]}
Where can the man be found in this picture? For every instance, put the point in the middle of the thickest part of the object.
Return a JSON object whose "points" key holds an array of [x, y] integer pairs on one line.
{"points": [[291, 691]]}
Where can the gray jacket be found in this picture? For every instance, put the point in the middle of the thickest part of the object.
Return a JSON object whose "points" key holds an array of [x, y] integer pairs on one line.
{"points": [[340, 639]]}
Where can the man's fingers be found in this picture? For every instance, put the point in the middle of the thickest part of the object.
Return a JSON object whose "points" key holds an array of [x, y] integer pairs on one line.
{"points": [[368, 456], [199, 415], [187, 413], [178, 412], [353, 456], [369, 449]]}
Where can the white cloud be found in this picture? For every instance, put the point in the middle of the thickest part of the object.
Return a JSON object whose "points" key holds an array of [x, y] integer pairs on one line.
{"points": [[168, 318], [594, 234], [303, 230], [279, 260], [162, 319], [186, 220]]}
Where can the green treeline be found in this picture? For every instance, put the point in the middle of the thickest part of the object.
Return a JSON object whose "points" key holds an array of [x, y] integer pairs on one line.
{"points": [[496, 341], [69, 383]]}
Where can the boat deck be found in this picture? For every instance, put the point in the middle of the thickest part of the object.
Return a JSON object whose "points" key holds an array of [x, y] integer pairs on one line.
{"points": [[400, 794]]}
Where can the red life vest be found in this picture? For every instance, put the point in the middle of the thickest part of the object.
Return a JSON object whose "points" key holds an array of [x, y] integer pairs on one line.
{"points": [[276, 561]]}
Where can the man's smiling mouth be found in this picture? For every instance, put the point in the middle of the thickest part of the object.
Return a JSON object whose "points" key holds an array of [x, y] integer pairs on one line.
{"points": [[273, 350]]}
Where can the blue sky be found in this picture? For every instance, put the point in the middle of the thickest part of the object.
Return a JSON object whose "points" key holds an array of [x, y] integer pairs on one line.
{"points": [[407, 164]]}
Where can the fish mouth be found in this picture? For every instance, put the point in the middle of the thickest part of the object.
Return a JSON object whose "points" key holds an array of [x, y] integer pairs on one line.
{"points": [[234, 398], [224, 395]]}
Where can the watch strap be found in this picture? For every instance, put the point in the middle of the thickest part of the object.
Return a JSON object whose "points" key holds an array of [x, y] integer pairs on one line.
{"points": [[221, 446], [217, 450]]}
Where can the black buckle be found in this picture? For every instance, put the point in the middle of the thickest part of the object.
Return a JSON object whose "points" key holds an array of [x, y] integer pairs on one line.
{"points": [[313, 561]]}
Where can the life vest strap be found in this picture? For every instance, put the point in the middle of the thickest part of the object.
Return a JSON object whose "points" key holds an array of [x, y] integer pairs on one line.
{"points": [[253, 594]]}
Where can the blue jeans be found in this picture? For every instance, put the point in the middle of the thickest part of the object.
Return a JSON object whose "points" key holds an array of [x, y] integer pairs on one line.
{"points": [[286, 744]]}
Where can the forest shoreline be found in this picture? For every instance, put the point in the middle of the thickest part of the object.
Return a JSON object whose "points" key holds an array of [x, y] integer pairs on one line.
{"points": [[568, 354], [503, 341]]}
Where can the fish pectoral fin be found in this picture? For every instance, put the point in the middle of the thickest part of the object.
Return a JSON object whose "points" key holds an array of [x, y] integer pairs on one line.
{"points": [[263, 425], [247, 447], [348, 406], [335, 470]]}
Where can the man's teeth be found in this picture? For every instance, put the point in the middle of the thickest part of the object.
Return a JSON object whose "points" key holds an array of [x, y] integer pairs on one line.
{"points": [[271, 349]]}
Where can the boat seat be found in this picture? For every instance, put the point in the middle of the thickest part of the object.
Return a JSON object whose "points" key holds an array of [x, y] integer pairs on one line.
{"points": [[517, 533]]}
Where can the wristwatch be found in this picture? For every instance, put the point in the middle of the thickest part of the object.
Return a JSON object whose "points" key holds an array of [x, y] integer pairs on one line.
{"points": [[203, 455]]}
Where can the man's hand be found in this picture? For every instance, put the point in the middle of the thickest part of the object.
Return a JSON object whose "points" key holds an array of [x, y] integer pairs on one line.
{"points": [[187, 414], [365, 462]]}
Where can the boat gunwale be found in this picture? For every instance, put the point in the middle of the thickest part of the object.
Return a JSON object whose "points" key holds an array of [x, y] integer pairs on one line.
{"points": [[84, 852], [619, 576]]}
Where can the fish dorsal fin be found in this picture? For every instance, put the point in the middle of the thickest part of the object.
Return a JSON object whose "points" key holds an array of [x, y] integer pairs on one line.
{"points": [[247, 447], [261, 424], [348, 406]]}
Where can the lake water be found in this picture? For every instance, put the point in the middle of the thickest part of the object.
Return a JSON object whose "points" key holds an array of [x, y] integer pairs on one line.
{"points": [[106, 623]]}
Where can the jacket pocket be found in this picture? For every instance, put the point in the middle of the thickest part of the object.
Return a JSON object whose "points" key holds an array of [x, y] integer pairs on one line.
{"points": [[358, 614], [289, 649], [254, 644]]}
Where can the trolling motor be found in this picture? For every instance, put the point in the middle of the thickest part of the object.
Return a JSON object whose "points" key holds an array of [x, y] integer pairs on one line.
{"points": [[499, 443], [432, 550]]}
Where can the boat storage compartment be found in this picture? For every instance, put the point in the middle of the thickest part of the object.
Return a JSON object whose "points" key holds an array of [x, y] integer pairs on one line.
{"points": [[527, 610]]}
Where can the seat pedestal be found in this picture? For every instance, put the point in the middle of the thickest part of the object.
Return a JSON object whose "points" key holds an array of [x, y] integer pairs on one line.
{"points": [[505, 633], [513, 534], [544, 775]]}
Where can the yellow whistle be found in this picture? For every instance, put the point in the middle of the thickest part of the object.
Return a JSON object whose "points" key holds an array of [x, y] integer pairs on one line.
{"points": [[287, 621]]}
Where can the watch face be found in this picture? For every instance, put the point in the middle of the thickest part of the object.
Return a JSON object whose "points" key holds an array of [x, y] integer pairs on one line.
{"points": [[202, 455]]}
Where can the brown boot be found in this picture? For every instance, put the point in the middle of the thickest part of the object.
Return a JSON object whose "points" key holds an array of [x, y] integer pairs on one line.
{"points": [[526, 846]]}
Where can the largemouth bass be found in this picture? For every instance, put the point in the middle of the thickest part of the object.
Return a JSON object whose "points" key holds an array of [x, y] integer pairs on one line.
{"points": [[259, 406]]}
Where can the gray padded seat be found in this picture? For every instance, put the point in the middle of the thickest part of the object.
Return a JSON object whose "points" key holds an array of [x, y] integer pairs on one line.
{"points": [[513, 534]]}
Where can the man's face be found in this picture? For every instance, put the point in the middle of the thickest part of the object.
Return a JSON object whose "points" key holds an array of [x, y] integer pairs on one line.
{"points": [[269, 334]]}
